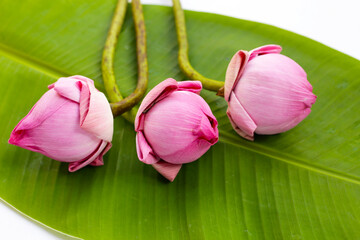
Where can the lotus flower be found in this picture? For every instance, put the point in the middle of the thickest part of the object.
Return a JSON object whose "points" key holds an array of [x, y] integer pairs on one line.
{"points": [[174, 125], [72, 122], [267, 93]]}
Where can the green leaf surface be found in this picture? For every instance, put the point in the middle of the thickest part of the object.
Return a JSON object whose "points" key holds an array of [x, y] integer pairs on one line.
{"points": [[302, 184]]}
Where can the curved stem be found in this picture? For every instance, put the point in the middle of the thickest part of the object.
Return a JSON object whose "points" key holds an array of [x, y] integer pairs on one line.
{"points": [[129, 102], [183, 57], [107, 64]]}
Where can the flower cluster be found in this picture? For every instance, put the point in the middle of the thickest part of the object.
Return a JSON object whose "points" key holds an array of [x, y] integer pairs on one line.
{"points": [[266, 92]]}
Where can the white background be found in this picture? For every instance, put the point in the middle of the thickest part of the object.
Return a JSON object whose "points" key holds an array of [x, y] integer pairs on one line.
{"points": [[332, 22]]}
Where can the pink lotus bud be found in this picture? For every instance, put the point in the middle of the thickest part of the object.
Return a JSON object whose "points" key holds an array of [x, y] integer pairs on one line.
{"points": [[72, 122], [267, 93], [174, 125]]}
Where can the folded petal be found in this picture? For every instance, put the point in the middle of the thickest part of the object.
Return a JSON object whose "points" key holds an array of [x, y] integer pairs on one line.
{"points": [[95, 112], [168, 170], [99, 160], [144, 151], [83, 79], [207, 130], [159, 92], [68, 88], [267, 49], [190, 86], [234, 71], [95, 159], [240, 120]]}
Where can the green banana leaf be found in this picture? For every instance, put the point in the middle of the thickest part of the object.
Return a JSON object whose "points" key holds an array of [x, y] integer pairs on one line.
{"points": [[302, 184]]}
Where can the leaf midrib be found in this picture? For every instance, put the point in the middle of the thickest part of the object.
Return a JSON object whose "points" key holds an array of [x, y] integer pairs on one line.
{"points": [[286, 158], [56, 73], [31, 62]]}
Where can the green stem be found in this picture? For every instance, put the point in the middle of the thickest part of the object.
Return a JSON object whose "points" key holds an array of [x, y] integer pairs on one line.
{"points": [[107, 64], [183, 57], [129, 102]]}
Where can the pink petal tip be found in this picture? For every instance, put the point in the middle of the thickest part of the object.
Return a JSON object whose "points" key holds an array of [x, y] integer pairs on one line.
{"points": [[167, 170]]}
